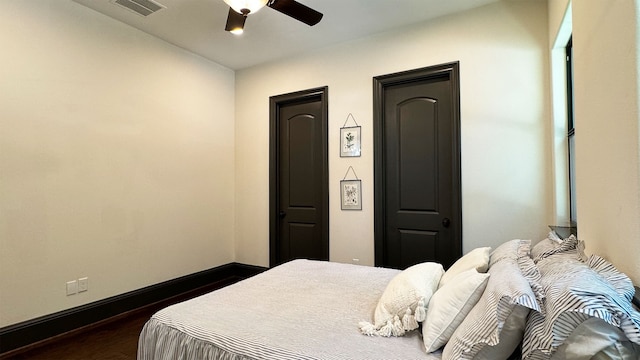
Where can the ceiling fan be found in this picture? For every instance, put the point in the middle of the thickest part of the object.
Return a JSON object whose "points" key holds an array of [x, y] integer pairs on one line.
{"points": [[239, 9]]}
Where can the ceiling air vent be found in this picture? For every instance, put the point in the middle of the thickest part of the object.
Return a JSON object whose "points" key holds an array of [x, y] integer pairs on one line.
{"points": [[140, 7]]}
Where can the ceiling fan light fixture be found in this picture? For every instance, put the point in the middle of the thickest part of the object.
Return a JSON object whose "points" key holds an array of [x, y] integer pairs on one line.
{"points": [[240, 6], [235, 22]]}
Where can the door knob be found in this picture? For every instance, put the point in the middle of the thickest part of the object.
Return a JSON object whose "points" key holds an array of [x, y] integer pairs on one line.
{"points": [[446, 222], [282, 214]]}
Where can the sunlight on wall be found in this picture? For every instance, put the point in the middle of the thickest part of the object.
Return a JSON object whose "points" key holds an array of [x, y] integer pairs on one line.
{"points": [[506, 188]]}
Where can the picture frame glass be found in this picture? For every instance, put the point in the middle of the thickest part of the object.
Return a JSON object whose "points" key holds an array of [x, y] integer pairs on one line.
{"points": [[351, 194], [350, 141]]}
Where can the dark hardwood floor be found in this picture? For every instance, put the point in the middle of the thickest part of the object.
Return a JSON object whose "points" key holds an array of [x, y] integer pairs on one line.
{"points": [[112, 339]]}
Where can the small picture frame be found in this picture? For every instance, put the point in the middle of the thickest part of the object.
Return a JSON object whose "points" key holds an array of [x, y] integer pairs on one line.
{"points": [[350, 141], [351, 194]]}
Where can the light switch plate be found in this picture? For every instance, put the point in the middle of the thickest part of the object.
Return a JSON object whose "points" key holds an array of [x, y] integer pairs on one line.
{"points": [[83, 284], [72, 287]]}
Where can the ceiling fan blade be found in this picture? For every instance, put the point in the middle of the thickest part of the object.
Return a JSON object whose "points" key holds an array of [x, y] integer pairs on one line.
{"points": [[235, 21], [296, 10]]}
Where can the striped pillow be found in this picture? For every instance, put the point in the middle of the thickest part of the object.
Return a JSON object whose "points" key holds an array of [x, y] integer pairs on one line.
{"points": [[505, 304], [510, 250], [570, 246], [551, 242], [575, 292], [618, 280]]}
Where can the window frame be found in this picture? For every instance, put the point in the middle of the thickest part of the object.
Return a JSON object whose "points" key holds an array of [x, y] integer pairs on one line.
{"points": [[571, 132]]}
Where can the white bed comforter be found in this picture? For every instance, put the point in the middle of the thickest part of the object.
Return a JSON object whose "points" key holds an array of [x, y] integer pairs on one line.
{"points": [[299, 310]]}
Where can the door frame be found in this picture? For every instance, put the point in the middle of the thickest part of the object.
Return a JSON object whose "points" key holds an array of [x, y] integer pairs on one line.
{"points": [[380, 83], [275, 103]]}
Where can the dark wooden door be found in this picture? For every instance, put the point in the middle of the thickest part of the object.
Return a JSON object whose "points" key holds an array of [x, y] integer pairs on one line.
{"points": [[417, 174], [299, 193]]}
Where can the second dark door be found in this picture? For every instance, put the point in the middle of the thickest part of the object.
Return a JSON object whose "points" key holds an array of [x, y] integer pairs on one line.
{"points": [[299, 177], [418, 211]]}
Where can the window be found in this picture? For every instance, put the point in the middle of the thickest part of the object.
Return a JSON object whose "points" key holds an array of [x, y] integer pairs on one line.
{"points": [[571, 134]]}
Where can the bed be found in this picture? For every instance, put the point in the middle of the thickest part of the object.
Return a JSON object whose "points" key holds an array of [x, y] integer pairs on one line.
{"points": [[509, 303], [302, 309]]}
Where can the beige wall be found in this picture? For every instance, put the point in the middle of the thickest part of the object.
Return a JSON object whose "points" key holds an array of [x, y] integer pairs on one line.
{"points": [[161, 180], [116, 158], [605, 43], [502, 49], [605, 35]]}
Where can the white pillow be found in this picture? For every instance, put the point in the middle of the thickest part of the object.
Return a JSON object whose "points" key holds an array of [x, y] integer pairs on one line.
{"points": [[450, 305], [477, 259], [403, 302]]}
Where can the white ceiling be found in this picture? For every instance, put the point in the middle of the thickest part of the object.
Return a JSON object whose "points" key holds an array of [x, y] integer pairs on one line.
{"points": [[198, 25]]}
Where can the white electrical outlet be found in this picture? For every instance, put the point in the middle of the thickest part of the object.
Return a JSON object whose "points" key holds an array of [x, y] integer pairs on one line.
{"points": [[72, 287], [83, 284]]}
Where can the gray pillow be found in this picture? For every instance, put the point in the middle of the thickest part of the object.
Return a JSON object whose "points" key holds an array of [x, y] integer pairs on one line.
{"points": [[595, 336]]}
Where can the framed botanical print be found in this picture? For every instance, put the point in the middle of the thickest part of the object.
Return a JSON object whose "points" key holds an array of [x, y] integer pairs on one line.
{"points": [[350, 141], [351, 194]]}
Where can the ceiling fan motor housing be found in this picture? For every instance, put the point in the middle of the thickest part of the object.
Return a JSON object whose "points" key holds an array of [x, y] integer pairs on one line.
{"points": [[245, 7], [239, 9]]}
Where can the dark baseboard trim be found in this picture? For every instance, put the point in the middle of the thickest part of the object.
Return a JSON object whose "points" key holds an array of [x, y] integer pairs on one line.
{"points": [[39, 329]]}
